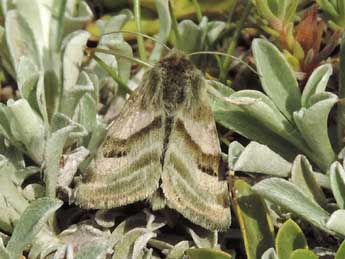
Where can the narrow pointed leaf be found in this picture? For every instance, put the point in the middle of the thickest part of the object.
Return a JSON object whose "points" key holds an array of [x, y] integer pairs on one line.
{"points": [[255, 222], [341, 251], [337, 176], [303, 177], [317, 83], [30, 223]]}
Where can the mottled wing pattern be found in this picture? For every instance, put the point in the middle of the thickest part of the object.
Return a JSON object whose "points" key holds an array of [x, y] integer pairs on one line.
{"points": [[127, 167], [189, 179]]}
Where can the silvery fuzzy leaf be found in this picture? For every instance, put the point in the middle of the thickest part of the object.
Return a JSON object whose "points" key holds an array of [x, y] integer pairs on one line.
{"points": [[257, 158], [192, 35], [115, 23], [288, 196], [107, 218], [73, 54], [33, 191], [162, 7], [234, 117], [30, 223], [302, 176], [8, 215], [55, 17], [5, 126], [83, 235], [141, 243], [54, 148], [8, 190], [132, 222], [30, 12], [71, 163], [234, 152], [27, 127], [271, 65], [78, 15], [3, 251], [93, 251], [124, 248], [44, 244], [337, 176], [27, 78], [88, 112], [20, 39], [214, 30], [6, 59], [312, 124], [203, 238], [72, 95], [178, 251], [317, 83], [270, 254], [336, 222]]}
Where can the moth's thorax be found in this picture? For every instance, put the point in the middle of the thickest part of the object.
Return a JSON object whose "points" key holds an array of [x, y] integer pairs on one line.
{"points": [[177, 82]]}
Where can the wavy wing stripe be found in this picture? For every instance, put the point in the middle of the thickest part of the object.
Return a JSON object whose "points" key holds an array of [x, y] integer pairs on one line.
{"points": [[137, 186], [198, 204]]}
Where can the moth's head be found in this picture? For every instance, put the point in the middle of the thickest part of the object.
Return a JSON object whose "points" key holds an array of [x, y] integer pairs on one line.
{"points": [[178, 81]]}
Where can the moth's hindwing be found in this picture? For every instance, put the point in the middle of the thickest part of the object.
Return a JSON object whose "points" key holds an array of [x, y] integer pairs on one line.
{"points": [[192, 157], [127, 167]]}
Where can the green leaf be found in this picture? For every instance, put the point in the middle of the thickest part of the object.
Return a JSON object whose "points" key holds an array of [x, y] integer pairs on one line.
{"points": [[3, 251], [58, 9], [253, 217], [270, 254], [341, 93], [289, 238], [341, 251], [27, 127], [337, 177], [289, 197], [268, 162], [336, 222], [72, 96], [92, 251], [76, 16], [312, 123], [214, 31], [206, 253], [164, 28], [317, 83], [178, 251], [30, 223], [303, 254], [234, 117], [277, 77], [192, 35], [262, 109], [54, 148], [73, 54], [20, 39], [303, 177], [235, 150]]}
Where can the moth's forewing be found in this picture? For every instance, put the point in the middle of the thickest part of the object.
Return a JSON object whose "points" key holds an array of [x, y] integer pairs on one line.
{"points": [[189, 178], [127, 167]]}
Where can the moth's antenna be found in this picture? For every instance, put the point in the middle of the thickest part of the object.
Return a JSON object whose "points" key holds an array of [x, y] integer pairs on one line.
{"points": [[115, 53], [225, 55], [141, 34]]}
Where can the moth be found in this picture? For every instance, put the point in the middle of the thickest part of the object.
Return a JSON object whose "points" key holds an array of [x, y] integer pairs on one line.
{"points": [[163, 145]]}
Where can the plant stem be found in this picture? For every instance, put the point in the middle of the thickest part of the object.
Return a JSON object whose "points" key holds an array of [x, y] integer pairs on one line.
{"points": [[233, 42], [175, 26], [198, 10], [113, 74], [140, 39]]}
